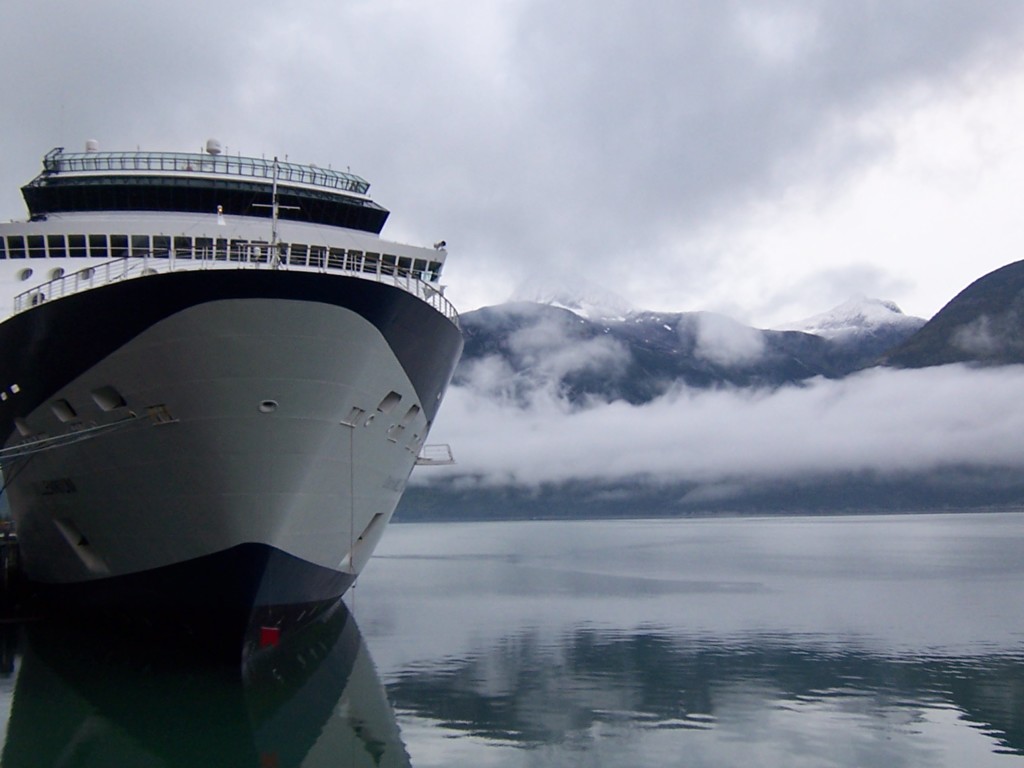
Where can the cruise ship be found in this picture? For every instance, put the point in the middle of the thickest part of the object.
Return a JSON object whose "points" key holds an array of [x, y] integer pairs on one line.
{"points": [[215, 380]]}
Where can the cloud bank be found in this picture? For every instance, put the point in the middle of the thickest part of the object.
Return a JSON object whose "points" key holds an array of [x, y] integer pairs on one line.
{"points": [[882, 420]]}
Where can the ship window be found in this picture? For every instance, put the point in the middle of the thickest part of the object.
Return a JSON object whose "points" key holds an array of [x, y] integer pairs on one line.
{"points": [[16, 246], [97, 245], [418, 268], [371, 262], [118, 246], [404, 265], [36, 247], [140, 245], [55, 245], [25, 274], [161, 245], [3, 249], [259, 251], [388, 263], [237, 250], [183, 247], [355, 260], [316, 255], [76, 246], [222, 249], [298, 254], [204, 247], [435, 270], [56, 274]]}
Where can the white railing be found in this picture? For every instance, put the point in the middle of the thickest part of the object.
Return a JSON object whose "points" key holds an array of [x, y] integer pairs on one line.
{"points": [[135, 267]]}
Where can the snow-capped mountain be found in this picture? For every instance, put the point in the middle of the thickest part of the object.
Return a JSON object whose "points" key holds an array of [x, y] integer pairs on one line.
{"points": [[589, 300], [860, 316], [584, 353]]}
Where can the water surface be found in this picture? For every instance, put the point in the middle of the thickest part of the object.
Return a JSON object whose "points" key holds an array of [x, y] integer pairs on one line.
{"points": [[827, 641]]}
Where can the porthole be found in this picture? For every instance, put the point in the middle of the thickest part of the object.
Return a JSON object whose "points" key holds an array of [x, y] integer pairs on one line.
{"points": [[87, 273], [268, 406], [25, 274], [57, 273]]}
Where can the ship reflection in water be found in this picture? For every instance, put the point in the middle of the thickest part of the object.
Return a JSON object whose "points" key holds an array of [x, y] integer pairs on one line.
{"points": [[83, 698]]}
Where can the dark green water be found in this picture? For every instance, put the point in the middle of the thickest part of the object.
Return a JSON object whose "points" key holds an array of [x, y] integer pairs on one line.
{"points": [[843, 641]]}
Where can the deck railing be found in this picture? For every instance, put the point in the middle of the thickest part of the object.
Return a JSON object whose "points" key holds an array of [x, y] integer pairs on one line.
{"points": [[58, 161], [136, 267]]}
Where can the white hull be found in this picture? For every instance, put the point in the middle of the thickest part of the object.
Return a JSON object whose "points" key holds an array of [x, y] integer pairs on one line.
{"points": [[223, 472]]}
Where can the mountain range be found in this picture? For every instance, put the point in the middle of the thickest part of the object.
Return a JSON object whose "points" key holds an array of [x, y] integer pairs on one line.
{"points": [[640, 356], [586, 358]]}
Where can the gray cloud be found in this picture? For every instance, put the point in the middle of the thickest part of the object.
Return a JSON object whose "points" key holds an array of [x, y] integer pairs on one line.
{"points": [[585, 136], [544, 348]]}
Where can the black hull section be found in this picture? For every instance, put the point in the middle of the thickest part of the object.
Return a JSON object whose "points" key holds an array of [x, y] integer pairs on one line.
{"points": [[200, 195], [47, 346], [214, 604]]}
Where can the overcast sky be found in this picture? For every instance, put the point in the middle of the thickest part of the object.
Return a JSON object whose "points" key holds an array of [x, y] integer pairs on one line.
{"points": [[767, 159]]}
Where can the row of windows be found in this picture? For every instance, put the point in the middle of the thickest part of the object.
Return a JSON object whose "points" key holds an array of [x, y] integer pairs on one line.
{"points": [[216, 249]]}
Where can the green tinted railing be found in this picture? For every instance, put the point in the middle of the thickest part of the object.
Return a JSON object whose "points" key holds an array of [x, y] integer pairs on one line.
{"points": [[57, 161]]}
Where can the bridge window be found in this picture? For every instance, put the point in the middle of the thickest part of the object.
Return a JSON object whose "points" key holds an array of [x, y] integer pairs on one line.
{"points": [[36, 247], [161, 245], [140, 245], [55, 246], [183, 247], [16, 246], [97, 245], [204, 247], [118, 246]]}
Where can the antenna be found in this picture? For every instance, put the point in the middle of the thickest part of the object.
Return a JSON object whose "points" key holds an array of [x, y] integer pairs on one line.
{"points": [[275, 206]]}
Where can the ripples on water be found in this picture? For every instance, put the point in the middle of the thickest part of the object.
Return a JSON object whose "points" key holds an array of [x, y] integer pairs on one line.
{"points": [[869, 641]]}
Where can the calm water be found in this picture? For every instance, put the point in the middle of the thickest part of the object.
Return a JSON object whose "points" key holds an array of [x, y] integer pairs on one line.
{"points": [[844, 641]]}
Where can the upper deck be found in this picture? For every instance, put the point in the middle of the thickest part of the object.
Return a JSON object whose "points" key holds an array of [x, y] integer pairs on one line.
{"points": [[202, 183]]}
